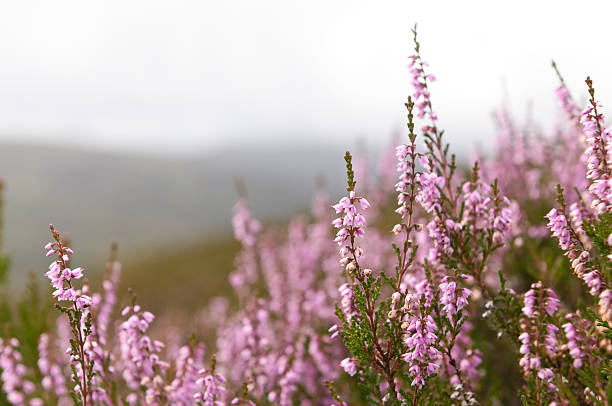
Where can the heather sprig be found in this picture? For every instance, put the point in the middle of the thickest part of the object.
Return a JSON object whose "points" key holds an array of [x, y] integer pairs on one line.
{"points": [[80, 319]]}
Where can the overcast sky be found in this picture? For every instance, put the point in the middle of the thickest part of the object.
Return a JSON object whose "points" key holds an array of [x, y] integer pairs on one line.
{"points": [[184, 76]]}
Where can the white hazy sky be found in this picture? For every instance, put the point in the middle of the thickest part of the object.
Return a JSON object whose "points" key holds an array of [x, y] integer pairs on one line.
{"points": [[193, 75]]}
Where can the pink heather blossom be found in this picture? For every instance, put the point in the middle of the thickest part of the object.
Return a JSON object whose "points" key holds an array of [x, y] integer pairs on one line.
{"points": [[550, 340], [421, 95], [347, 301], [61, 277], [439, 232], [52, 376], [352, 225], [408, 177], [351, 221], [605, 305], [597, 157], [568, 104], [141, 364], [558, 226], [349, 366], [429, 183], [476, 201], [420, 338], [452, 298], [531, 363], [18, 389], [547, 299], [245, 226], [577, 214], [213, 391], [579, 342], [575, 247]]}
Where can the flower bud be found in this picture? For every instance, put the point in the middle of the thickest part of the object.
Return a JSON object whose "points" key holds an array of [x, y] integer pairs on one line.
{"points": [[397, 229]]}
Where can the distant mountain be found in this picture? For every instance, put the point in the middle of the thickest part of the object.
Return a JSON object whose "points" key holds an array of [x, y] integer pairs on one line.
{"points": [[147, 204]]}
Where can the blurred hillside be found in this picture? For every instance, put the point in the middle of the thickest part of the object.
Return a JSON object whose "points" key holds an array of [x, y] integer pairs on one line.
{"points": [[155, 208]]}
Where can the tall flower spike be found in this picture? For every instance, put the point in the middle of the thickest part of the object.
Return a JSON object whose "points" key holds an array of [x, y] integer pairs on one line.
{"points": [[62, 278], [598, 154], [245, 226], [575, 246], [143, 369], [567, 102], [420, 79], [351, 223], [406, 166], [537, 338]]}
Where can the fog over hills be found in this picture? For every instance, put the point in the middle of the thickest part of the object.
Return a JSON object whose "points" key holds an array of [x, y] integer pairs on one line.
{"points": [[146, 204]]}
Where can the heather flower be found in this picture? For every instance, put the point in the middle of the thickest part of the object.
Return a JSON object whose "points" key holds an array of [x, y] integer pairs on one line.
{"points": [[245, 231], [539, 296], [429, 183], [439, 233], [577, 214], [213, 391], [421, 95], [567, 103], [597, 155], [52, 376], [558, 226], [189, 363], [61, 277], [245, 226], [349, 366], [576, 250], [420, 339], [352, 222], [452, 298], [605, 304], [407, 184], [476, 204], [347, 301], [18, 389], [550, 340], [579, 342], [141, 364]]}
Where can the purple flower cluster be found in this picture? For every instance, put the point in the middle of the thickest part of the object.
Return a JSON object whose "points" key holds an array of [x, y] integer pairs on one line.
{"points": [[407, 179], [18, 389], [536, 336], [580, 343], [213, 389], [245, 226], [53, 377], [351, 223], [538, 296], [429, 187], [598, 154], [420, 336], [143, 367], [61, 276], [420, 79], [452, 298], [567, 103], [576, 249]]}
